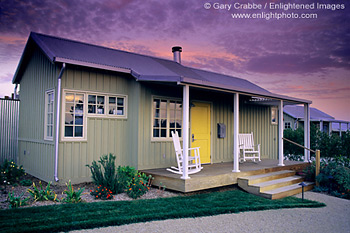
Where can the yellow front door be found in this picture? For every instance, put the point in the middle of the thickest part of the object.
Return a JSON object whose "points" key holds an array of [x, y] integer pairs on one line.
{"points": [[200, 129]]}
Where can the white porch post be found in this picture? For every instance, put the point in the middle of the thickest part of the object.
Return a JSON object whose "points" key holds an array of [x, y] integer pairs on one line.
{"points": [[306, 132], [280, 134], [185, 126], [235, 132], [339, 129], [321, 125]]}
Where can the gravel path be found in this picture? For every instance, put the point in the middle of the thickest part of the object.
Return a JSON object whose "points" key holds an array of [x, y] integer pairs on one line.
{"points": [[335, 217]]}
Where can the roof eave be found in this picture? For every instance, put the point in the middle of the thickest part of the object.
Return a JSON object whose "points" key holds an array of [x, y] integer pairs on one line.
{"points": [[185, 80], [92, 65]]}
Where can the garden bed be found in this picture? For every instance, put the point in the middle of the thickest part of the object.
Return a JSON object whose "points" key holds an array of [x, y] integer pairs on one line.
{"points": [[58, 189]]}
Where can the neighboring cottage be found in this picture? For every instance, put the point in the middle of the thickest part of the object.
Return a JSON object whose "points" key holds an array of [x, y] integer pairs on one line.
{"points": [[79, 101], [294, 118]]}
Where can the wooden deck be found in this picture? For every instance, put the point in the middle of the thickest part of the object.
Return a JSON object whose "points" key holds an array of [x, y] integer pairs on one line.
{"points": [[218, 175]]}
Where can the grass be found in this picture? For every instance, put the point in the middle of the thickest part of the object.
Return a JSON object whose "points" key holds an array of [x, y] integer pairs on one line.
{"points": [[67, 217]]}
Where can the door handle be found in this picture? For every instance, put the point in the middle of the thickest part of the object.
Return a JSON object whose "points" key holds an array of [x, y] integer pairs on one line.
{"points": [[193, 138]]}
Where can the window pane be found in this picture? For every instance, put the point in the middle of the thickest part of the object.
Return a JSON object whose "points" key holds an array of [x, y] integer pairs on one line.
{"points": [[156, 133], [120, 101], [163, 123], [100, 110], [78, 131], [120, 111], [78, 120], [69, 97], [100, 99], [112, 100], [112, 110], [156, 123], [69, 107], [163, 133], [156, 103], [92, 99], [179, 132], [92, 109], [68, 119], [163, 113], [157, 113], [172, 124], [68, 131], [79, 98]]}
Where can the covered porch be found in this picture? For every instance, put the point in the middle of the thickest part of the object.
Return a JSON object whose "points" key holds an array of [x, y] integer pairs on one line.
{"points": [[218, 174]]}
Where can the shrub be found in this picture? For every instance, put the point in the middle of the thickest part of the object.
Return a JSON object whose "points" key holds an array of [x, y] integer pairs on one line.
{"points": [[104, 173], [125, 175], [72, 196], [16, 202], [138, 186], [25, 182], [10, 173], [41, 194], [102, 193]]}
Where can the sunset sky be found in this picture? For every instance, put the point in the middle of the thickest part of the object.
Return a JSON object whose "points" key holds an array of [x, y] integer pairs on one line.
{"points": [[303, 58]]}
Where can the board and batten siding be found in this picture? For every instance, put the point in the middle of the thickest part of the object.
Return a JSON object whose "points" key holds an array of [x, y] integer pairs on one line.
{"points": [[104, 134], [35, 153]]}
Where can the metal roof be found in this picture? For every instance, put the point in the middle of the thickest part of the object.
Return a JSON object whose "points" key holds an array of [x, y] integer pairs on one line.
{"points": [[142, 67], [296, 111]]}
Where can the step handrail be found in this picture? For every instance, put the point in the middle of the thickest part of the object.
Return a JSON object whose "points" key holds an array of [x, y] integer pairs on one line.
{"points": [[318, 156], [299, 145]]}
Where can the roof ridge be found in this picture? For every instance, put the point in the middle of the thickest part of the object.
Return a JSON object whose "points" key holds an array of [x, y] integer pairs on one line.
{"points": [[100, 46]]}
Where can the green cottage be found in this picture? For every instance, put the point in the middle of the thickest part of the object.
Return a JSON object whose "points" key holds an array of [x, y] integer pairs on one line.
{"points": [[79, 101]]}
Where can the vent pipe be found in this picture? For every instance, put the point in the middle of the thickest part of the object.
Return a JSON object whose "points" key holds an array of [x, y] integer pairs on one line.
{"points": [[177, 53]]}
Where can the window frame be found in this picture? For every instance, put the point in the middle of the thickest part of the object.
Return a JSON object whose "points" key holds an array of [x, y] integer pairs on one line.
{"points": [[274, 115], [87, 115], [168, 136], [47, 93]]}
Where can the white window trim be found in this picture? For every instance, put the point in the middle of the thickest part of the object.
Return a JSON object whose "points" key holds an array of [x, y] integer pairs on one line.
{"points": [[106, 95], [47, 92], [274, 109], [87, 115], [169, 138]]}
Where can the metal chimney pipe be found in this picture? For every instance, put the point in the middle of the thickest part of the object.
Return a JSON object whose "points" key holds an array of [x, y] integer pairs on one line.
{"points": [[177, 53]]}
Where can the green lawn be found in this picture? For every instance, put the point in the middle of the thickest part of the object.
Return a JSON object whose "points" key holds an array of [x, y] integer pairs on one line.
{"points": [[67, 217]]}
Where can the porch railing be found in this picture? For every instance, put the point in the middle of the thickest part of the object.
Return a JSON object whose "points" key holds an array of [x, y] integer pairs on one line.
{"points": [[318, 156]]}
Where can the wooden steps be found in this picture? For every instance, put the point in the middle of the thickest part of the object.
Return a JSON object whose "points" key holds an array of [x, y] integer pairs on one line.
{"points": [[274, 185]]}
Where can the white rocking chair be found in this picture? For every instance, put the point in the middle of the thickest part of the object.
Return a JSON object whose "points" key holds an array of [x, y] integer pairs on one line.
{"points": [[247, 149], [194, 163]]}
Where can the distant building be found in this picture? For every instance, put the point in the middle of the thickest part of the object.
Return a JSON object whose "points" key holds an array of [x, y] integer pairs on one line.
{"points": [[293, 117]]}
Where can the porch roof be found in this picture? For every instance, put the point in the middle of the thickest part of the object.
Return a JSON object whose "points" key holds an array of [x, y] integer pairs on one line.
{"points": [[142, 67]]}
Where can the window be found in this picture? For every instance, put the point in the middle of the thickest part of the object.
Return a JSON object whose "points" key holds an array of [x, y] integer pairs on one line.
{"points": [[74, 115], [116, 106], [287, 125], [167, 117], [274, 116], [78, 106], [96, 104], [49, 117]]}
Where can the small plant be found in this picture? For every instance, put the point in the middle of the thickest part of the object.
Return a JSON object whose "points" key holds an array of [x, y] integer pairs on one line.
{"points": [[72, 196], [41, 194], [102, 193], [25, 182], [104, 173], [138, 186], [10, 173], [16, 202], [125, 175]]}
